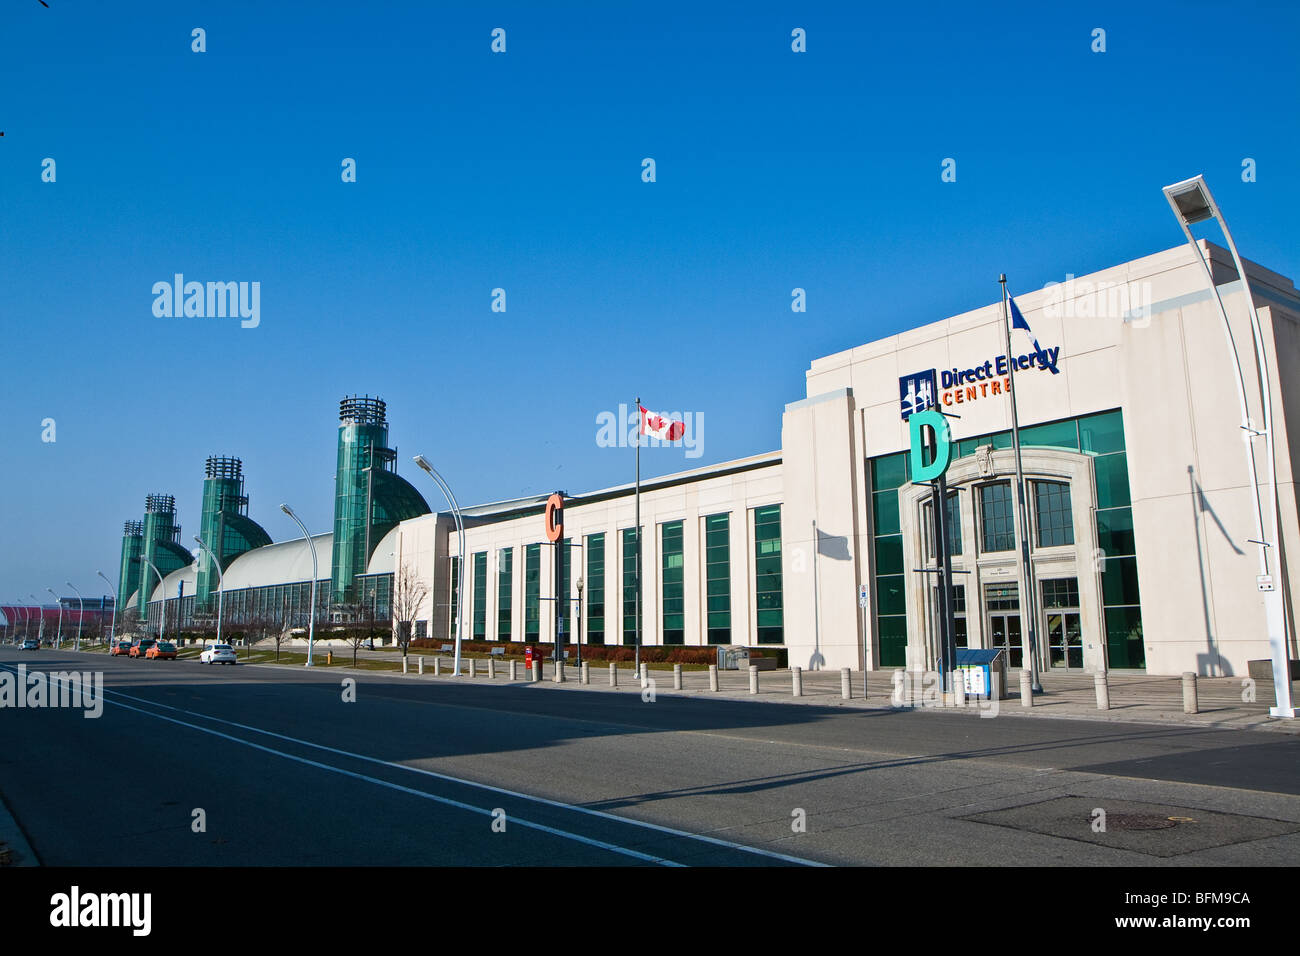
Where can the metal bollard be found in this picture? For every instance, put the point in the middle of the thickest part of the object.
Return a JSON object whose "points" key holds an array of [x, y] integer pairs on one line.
{"points": [[958, 689], [419, 665], [677, 677], [473, 667], [537, 670], [713, 677], [846, 683], [492, 669], [796, 681], [1190, 703], [753, 678], [1103, 690], [613, 674], [1026, 688], [514, 674], [586, 672], [437, 667]]}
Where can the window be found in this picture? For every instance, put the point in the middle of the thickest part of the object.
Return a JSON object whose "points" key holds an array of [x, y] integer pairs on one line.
{"points": [[630, 606], [532, 591], [954, 526], [767, 575], [674, 605], [958, 612], [1060, 593], [453, 621], [996, 522], [421, 629], [594, 593], [479, 630], [717, 559], [505, 583], [1055, 521]]}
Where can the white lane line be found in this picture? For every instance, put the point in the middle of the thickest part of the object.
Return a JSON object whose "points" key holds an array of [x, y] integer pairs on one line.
{"points": [[483, 786], [589, 841]]}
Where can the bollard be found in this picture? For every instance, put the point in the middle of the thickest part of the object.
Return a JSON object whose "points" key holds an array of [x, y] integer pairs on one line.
{"points": [[586, 672], [492, 669], [713, 677], [537, 670], [753, 678], [403, 665], [796, 682], [514, 674], [419, 665], [613, 674], [1103, 691], [677, 677], [437, 667], [1026, 688], [1190, 704], [559, 672], [958, 689], [645, 673], [473, 667], [846, 683]]}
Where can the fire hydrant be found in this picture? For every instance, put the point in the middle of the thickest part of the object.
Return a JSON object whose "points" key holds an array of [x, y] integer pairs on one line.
{"points": [[329, 657]]}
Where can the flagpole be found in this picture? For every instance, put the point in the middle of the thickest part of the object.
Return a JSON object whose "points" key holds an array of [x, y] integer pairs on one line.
{"points": [[1025, 569], [637, 575]]}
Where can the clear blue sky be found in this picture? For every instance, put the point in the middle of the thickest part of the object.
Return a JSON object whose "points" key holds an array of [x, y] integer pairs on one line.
{"points": [[522, 171]]}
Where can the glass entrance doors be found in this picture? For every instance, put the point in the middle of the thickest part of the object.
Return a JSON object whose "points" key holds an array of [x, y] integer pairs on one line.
{"points": [[1064, 630], [1002, 602]]}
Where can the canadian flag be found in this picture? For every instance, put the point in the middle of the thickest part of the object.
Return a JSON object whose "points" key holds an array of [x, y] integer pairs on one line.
{"points": [[656, 426]]}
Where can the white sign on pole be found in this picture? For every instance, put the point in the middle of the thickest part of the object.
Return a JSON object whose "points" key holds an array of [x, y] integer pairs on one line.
{"points": [[862, 596]]}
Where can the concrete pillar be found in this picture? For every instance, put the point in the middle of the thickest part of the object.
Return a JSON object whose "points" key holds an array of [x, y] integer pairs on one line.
{"points": [[796, 682], [419, 665], [586, 672], [1190, 703], [559, 672], [437, 667], [645, 672], [713, 678], [677, 677], [473, 667], [514, 674], [1103, 690], [613, 674], [492, 669], [846, 683], [1026, 688], [537, 670], [403, 665], [753, 678], [958, 689]]}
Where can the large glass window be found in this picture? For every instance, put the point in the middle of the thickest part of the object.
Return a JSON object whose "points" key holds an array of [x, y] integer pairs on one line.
{"points": [[453, 621], [954, 526], [629, 586], [505, 588], [480, 596], [767, 574], [888, 473], [594, 593], [1055, 518], [997, 525], [532, 591], [717, 559], [674, 604]]}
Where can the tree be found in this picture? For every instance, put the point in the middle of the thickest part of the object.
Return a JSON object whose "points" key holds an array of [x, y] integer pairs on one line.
{"points": [[409, 592]]}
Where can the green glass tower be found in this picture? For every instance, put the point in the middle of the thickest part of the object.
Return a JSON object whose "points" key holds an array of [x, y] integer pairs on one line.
{"points": [[160, 545], [128, 572], [370, 498], [224, 527]]}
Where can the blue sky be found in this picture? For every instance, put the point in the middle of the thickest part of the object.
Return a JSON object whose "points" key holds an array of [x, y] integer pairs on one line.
{"points": [[522, 171]]}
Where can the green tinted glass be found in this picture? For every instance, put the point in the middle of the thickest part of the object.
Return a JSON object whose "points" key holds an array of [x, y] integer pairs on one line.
{"points": [[884, 506], [1102, 433], [1112, 481], [889, 554]]}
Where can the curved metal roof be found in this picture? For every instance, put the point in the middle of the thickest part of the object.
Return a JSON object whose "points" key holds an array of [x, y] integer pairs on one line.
{"points": [[283, 563]]}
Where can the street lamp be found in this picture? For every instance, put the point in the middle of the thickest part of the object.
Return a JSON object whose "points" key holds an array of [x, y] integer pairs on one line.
{"points": [[311, 615], [221, 582], [577, 630], [81, 611], [58, 640], [112, 628], [40, 623], [144, 601], [1192, 202], [460, 528]]}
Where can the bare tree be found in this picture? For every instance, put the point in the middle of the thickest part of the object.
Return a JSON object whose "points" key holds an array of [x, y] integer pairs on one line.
{"points": [[409, 592]]}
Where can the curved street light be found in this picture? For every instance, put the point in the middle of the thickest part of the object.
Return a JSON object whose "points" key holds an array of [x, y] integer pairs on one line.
{"points": [[221, 582], [112, 628], [311, 616], [81, 611], [58, 640], [460, 528], [162, 610], [40, 624]]}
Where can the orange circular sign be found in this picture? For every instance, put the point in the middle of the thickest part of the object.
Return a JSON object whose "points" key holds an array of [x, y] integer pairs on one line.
{"points": [[554, 517]]}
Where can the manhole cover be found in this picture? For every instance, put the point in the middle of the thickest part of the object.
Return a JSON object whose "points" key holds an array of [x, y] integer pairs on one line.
{"points": [[1138, 821]]}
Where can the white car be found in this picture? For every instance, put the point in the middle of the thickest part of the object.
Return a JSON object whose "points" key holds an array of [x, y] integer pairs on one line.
{"points": [[218, 654]]}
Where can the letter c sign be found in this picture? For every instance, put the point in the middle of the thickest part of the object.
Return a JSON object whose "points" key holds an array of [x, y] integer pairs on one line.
{"points": [[554, 517]]}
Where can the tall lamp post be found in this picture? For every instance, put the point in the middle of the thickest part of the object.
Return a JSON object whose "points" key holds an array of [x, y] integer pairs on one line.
{"points": [[1192, 203], [221, 582], [311, 617], [81, 611], [112, 628], [58, 640], [460, 529], [144, 601], [40, 622]]}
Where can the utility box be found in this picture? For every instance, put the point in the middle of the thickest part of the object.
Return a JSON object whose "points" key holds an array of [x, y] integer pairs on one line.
{"points": [[982, 670], [733, 658]]}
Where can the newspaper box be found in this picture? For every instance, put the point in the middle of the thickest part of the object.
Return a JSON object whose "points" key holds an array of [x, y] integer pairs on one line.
{"points": [[982, 671], [733, 658]]}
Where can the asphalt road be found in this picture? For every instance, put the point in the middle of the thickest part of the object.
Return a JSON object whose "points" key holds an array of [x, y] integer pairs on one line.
{"points": [[424, 772]]}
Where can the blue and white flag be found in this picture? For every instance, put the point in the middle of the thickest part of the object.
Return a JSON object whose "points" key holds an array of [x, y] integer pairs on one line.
{"points": [[1018, 322]]}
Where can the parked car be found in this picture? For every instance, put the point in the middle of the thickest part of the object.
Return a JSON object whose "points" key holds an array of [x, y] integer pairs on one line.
{"points": [[30, 645], [141, 648], [218, 654], [163, 650], [120, 649]]}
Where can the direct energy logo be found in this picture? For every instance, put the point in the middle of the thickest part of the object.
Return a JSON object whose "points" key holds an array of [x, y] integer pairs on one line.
{"points": [[956, 386]]}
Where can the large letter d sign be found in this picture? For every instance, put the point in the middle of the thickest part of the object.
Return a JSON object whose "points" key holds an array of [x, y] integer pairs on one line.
{"points": [[942, 445]]}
